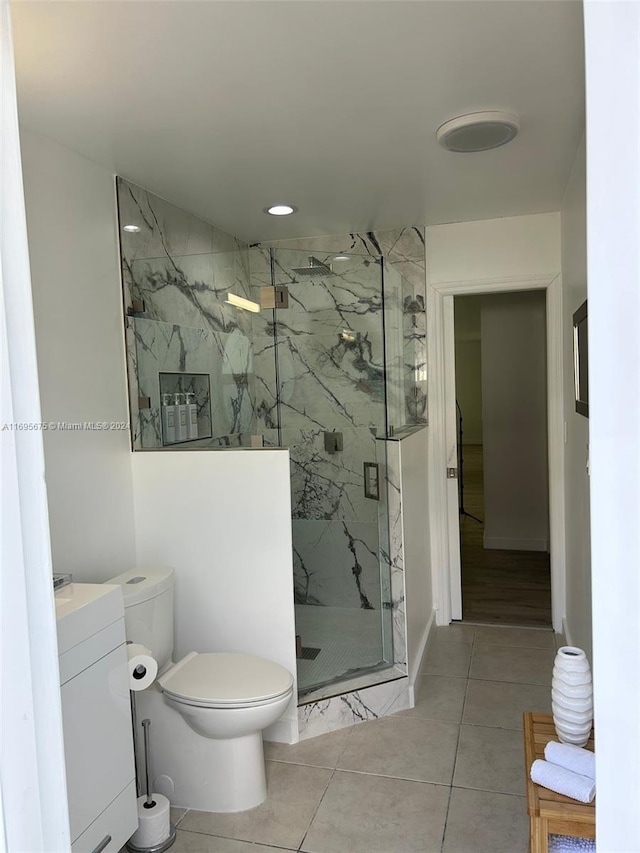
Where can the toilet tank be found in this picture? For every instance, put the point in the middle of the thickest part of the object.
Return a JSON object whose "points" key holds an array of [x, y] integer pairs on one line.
{"points": [[148, 609]]}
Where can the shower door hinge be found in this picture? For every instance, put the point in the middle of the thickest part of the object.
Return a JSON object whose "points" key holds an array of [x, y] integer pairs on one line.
{"points": [[274, 297], [137, 307], [452, 473]]}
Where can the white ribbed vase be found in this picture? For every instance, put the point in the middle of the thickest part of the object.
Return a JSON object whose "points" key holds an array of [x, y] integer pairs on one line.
{"points": [[572, 696]]}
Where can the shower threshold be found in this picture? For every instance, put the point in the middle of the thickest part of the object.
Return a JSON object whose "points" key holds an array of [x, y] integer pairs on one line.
{"points": [[350, 681]]}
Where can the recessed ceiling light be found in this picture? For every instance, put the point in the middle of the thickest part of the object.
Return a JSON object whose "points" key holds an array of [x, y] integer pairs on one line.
{"points": [[341, 258], [133, 229], [478, 131], [280, 209]]}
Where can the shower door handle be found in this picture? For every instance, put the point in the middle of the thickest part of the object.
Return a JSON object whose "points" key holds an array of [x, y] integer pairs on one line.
{"points": [[372, 481]]}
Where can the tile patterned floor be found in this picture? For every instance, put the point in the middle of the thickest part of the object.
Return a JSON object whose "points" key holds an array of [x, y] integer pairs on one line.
{"points": [[444, 777]]}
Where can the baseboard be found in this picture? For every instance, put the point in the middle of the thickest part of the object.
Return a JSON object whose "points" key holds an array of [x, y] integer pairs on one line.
{"points": [[283, 730], [424, 641], [499, 543]]}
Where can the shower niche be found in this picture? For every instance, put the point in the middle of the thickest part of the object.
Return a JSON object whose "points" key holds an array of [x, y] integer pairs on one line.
{"points": [[181, 392]]}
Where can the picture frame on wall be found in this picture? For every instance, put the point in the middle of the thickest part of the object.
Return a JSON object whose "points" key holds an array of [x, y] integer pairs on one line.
{"points": [[581, 360]]}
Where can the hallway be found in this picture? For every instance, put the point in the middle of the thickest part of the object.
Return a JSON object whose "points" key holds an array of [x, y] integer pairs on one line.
{"points": [[445, 777], [502, 587]]}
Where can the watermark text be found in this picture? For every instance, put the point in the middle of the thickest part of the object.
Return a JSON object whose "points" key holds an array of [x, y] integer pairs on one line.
{"points": [[63, 426]]}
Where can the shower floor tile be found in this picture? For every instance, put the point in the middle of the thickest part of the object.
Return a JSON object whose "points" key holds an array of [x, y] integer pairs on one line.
{"points": [[349, 640]]}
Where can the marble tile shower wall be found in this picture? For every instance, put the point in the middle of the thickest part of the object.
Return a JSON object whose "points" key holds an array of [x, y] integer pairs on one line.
{"points": [[331, 367], [369, 703], [181, 268], [404, 251], [331, 378]]}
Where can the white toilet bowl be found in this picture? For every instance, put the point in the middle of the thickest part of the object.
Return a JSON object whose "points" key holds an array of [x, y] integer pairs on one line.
{"points": [[208, 710], [230, 699]]}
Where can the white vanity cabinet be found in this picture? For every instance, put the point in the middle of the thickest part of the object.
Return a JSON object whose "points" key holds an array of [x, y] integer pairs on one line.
{"points": [[96, 717]]}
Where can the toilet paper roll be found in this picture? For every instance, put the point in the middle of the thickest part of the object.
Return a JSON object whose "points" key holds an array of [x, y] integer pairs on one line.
{"points": [[153, 823], [143, 668]]}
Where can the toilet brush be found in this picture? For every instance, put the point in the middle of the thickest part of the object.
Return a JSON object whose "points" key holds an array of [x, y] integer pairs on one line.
{"points": [[155, 831]]}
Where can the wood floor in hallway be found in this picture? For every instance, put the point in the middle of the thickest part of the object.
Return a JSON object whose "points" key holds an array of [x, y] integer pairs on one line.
{"points": [[501, 587]]}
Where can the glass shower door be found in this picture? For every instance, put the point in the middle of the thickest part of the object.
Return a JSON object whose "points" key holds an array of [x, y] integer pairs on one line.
{"points": [[331, 414]]}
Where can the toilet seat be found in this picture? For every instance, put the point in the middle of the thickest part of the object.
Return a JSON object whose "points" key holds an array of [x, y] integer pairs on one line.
{"points": [[225, 680]]}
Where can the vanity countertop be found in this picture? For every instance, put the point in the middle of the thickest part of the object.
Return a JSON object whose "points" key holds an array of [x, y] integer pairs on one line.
{"points": [[83, 609]]}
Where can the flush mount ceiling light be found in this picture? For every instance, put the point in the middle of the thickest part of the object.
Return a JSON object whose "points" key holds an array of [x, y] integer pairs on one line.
{"points": [[478, 131], [133, 229], [341, 258], [280, 209]]}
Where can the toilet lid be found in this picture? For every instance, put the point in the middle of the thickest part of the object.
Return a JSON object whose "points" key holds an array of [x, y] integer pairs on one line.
{"points": [[226, 679]]}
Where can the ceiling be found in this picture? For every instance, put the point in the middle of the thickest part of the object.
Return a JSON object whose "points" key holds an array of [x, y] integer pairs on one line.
{"points": [[227, 106]]}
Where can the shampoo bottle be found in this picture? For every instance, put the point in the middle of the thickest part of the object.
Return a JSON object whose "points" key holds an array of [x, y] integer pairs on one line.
{"points": [[181, 418], [192, 415], [168, 420]]}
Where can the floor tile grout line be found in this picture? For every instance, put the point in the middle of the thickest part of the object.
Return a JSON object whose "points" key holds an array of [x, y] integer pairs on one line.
{"points": [[240, 840], [487, 791], [504, 681], [522, 796], [315, 812], [396, 778], [344, 748], [181, 818], [455, 761], [464, 703], [446, 818]]}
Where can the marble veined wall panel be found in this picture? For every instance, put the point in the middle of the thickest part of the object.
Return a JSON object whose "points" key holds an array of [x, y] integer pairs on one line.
{"points": [[182, 269], [165, 229], [166, 348], [336, 563], [404, 251], [330, 485], [331, 382], [191, 290], [369, 703], [392, 554], [403, 247]]}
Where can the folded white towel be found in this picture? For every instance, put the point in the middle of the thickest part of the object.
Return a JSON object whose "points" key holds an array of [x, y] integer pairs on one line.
{"points": [[569, 844], [563, 781], [571, 757]]}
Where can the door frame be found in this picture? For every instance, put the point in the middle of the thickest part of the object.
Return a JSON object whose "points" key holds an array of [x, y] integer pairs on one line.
{"points": [[444, 525]]}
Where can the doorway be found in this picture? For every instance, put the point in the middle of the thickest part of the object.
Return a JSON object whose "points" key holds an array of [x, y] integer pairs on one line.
{"points": [[502, 458], [443, 505]]}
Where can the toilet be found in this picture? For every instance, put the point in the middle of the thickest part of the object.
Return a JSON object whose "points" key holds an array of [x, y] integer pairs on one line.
{"points": [[207, 711]]}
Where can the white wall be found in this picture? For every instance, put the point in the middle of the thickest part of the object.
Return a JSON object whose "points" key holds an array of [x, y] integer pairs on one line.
{"points": [[417, 570], [71, 218], [574, 283], [612, 33], [514, 416], [491, 249], [462, 259], [222, 519], [33, 798], [77, 299]]}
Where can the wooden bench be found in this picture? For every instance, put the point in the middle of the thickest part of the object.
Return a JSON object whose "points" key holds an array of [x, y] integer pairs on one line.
{"points": [[548, 811]]}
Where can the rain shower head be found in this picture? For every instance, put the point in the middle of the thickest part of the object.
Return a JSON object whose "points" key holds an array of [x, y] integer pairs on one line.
{"points": [[315, 267]]}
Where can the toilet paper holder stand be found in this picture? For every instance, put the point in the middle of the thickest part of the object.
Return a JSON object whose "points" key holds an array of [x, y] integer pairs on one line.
{"points": [[149, 803]]}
